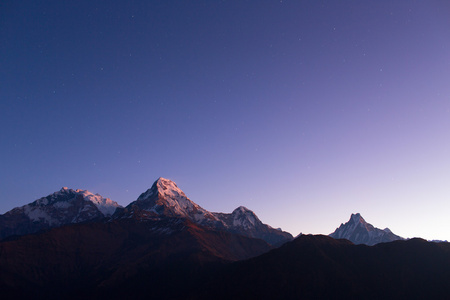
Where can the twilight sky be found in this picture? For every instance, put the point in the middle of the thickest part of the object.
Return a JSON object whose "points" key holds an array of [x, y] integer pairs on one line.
{"points": [[302, 111]]}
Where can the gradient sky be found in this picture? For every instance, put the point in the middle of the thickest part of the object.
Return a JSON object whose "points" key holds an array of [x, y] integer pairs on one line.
{"points": [[302, 111]]}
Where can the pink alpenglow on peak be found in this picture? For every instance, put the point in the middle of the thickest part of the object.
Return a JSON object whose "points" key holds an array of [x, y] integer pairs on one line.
{"points": [[65, 206], [166, 199]]}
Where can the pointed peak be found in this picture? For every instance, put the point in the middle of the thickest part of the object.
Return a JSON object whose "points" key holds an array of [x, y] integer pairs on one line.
{"points": [[162, 184], [357, 218], [241, 209], [162, 179], [165, 183], [164, 187], [244, 218]]}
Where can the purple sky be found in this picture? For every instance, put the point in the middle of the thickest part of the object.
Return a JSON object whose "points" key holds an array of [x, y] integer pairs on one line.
{"points": [[303, 111]]}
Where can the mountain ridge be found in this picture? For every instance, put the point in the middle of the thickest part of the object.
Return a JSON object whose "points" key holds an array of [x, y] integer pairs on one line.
{"points": [[66, 206], [162, 200], [358, 231]]}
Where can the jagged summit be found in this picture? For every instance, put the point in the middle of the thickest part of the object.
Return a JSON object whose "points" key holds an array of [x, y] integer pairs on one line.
{"points": [[358, 231], [65, 197], [244, 218], [241, 209], [356, 218], [164, 184], [164, 198], [66, 206], [105, 205], [165, 187]]}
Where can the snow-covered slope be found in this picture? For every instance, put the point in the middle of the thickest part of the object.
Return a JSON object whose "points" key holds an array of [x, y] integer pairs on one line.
{"points": [[245, 222], [358, 231], [66, 206], [240, 218], [165, 199]]}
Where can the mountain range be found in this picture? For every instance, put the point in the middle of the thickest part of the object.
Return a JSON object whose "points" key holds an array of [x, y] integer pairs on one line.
{"points": [[76, 245], [163, 200]]}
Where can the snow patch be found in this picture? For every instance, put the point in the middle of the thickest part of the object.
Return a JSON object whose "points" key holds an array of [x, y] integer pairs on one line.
{"points": [[37, 215], [105, 205]]}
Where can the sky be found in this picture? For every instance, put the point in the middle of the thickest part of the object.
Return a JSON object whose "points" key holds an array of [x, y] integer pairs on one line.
{"points": [[302, 111]]}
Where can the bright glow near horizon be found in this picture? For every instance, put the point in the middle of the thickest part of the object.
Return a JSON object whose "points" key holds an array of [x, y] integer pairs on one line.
{"points": [[303, 112]]}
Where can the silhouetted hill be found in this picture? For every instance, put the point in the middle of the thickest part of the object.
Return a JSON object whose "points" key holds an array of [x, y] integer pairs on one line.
{"points": [[320, 267], [173, 258], [157, 257]]}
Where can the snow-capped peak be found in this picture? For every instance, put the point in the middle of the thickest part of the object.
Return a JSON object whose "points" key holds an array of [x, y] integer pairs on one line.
{"points": [[356, 218], [359, 231], [169, 188], [65, 206], [63, 199], [166, 198], [241, 210], [105, 205], [244, 218], [163, 187]]}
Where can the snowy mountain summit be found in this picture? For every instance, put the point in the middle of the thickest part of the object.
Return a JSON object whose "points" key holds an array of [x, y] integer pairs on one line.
{"points": [[63, 207], [245, 222], [358, 231], [244, 218], [165, 199]]}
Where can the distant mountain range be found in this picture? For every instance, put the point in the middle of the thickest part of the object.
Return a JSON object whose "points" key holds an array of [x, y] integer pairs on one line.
{"points": [[76, 245], [163, 199]]}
